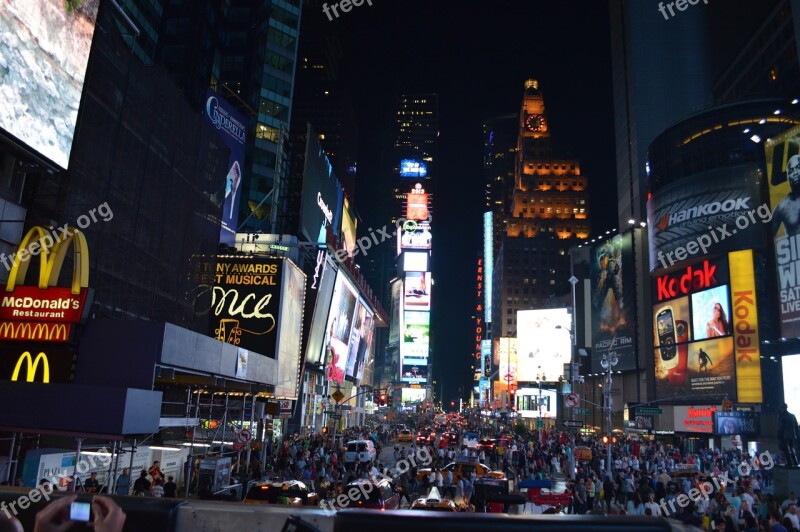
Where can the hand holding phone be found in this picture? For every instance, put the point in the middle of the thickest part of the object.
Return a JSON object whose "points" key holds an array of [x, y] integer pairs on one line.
{"points": [[80, 511]]}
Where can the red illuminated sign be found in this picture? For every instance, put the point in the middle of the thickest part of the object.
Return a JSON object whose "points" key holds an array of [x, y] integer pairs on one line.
{"points": [[479, 309], [692, 279]]}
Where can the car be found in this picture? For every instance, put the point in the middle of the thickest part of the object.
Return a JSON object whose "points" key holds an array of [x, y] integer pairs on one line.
{"points": [[434, 502], [405, 435], [423, 439], [363, 450], [460, 469], [374, 495], [486, 444], [451, 438], [287, 492]]}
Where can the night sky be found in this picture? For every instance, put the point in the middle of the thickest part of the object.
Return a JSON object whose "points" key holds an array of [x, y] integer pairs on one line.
{"points": [[475, 56]]}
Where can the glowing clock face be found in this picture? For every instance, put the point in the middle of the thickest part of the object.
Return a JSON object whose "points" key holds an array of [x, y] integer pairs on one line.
{"points": [[535, 123]]}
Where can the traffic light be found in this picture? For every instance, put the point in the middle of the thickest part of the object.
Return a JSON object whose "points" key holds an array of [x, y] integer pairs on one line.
{"points": [[388, 400], [382, 400], [605, 440], [324, 430]]}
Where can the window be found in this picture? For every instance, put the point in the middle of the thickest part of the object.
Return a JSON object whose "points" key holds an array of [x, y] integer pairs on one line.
{"points": [[281, 39], [264, 131], [279, 62]]}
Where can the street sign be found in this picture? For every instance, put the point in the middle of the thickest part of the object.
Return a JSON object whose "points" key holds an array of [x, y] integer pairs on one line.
{"points": [[573, 423], [244, 436], [345, 407], [539, 423], [573, 400], [580, 410], [645, 410], [337, 395], [238, 446]]}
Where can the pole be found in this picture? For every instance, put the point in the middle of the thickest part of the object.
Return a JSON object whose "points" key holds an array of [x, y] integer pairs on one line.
{"points": [[77, 461], [112, 469], [131, 478], [252, 432], [608, 406], [11, 462]]}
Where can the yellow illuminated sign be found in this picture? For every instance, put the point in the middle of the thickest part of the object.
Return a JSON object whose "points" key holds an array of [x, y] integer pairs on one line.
{"points": [[745, 327], [52, 251], [32, 366], [23, 330]]}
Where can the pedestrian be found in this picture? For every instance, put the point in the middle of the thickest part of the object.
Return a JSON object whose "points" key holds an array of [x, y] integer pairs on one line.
{"points": [[123, 484], [170, 488]]}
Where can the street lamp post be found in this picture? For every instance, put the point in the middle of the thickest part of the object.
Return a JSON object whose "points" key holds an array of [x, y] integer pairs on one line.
{"points": [[608, 362], [540, 377]]}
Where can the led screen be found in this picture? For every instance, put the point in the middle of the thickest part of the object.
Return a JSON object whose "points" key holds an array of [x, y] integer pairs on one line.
{"points": [[413, 168], [320, 210], [417, 291], [416, 334], [325, 283], [291, 326], [791, 384], [339, 329], [415, 262], [711, 312], [43, 56], [413, 395], [417, 206], [543, 344], [415, 373], [414, 235]]}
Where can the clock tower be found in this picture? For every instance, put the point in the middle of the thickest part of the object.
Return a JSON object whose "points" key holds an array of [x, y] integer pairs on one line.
{"points": [[533, 120]]}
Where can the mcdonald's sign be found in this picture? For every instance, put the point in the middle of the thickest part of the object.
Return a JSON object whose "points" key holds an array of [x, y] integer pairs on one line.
{"points": [[31, 367], [23, 309]]}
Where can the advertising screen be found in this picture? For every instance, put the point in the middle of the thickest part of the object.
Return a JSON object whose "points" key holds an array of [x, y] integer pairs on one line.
{"points": [[530, 404], [230, 126], [791, 384], [360, 337], [783, 176], [415, 261], [320, 318], [413, 395], [742, 423], [688, 361], [486, 358], [613, 319], [365, 347], [415, 373], [245, 303], [349, 227], [319, 208], [44, 55], [416, 334], [290, 326], [696, 211], [417, 205], [397, 298], [506, 350], [698, 419], [488, 260], [413, 168], [543, 344], [339, 328], [417, 291], [414, 235]]}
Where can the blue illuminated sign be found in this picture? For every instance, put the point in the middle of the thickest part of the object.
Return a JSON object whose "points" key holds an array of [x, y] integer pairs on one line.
{"points": [[413, 168]]}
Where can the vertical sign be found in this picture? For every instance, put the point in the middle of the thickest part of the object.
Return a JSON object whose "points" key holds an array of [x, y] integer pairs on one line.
{"points": [[488, 262], [479, 310], [745, 327], [231, 128]]}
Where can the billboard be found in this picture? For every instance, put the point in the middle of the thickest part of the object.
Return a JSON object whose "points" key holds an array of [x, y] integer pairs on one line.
{"points": [[349, 227], [790, 368], [417, 294], [397, 298], [365, 346], [417, 204], [414, 373], [245, 303], [415, 261], [783, 176], [414, 235], [743, 423], [416, 334], [290, 327], [413, 168], [320, 209], [322, 307], [339, 328], [488, 261], [37, 362], [543, 344], [360, 338], [413, 395], [744, 318], [535, 403], [505, 349], [486, 358], [613, 316], [692, 333], [44, 54], [698, 210], [699, 419], [230, 125]]}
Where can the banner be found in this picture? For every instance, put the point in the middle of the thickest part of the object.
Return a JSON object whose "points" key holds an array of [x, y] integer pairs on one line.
{"points": [[745, 327], [230, 125], [783, 176], [613, 316], [743, 423], [544, 344], [290, 329], [245, 303]]}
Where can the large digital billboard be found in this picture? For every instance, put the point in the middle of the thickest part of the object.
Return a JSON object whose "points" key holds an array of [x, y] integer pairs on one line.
{"points": [[414, 235], [415, 261], [413, 168], [230, 126], [245, 303], [360, 338], [536, 403], [543, 344], [413, 395], [417, 204], [417, 295], [339, 329], [290, 326], [397, 299], [704, 341], [686, 217], [613, 315], [783, 176], [416, 334], [415, 373], [320, 208], [790, 368], [505, 354], [349, 227], [488, 261], [45, 50], [322, 307]]}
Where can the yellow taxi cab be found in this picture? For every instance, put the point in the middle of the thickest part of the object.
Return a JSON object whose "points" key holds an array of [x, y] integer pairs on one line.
{"points": [[405, 435], [460, 469], [286, 492]]}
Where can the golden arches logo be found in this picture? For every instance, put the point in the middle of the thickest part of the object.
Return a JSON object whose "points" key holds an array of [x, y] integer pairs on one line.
{"points": [[52, 251], [49, 332], [32, 366]]}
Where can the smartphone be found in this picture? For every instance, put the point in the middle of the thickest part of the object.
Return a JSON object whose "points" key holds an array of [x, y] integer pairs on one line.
{"points": [[80, 511], [665, 328]]}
